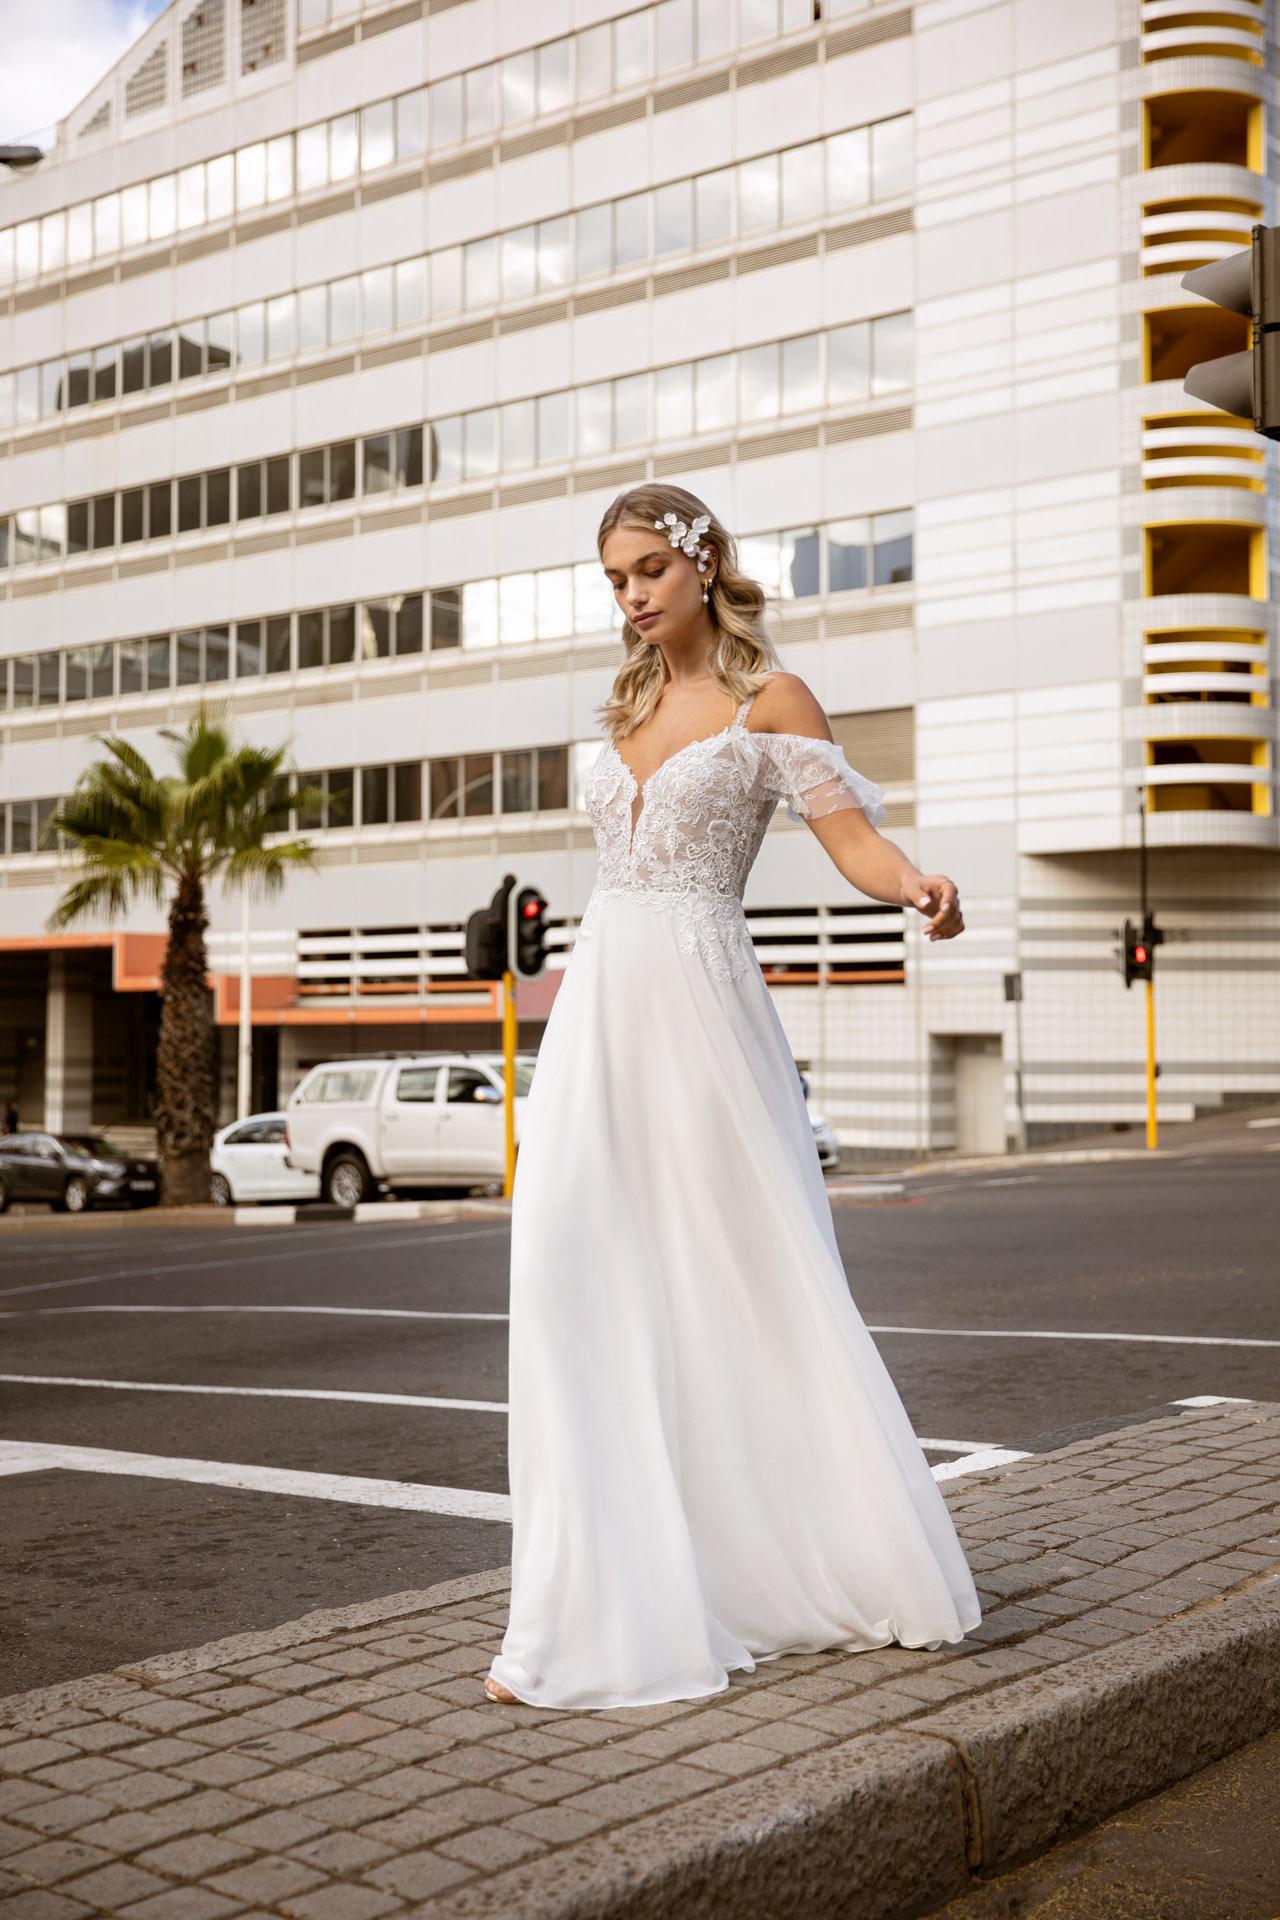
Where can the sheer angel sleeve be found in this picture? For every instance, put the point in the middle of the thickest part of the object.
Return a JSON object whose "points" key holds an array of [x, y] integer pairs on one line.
{"points": [[815, 778]]}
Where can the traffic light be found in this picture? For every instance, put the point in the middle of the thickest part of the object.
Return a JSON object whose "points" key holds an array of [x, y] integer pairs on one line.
{"points": [[486, 944], [1137, 955], [528, 939], [1248, 383], [1139, 945]]}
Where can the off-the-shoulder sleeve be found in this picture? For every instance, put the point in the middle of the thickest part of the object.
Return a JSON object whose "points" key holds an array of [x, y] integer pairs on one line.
{"points": [[815, 778]]}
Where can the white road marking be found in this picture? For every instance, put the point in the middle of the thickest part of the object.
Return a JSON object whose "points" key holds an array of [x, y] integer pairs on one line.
{"points": [[1018, 1333], [958, 1446], [423, 1313], [1008, 1180], [257, 1393], [17, 1456], [981, 1462], [409, 1496], [360, 1313], [417, 1239], [1272, 1120], [1213, 1400]]}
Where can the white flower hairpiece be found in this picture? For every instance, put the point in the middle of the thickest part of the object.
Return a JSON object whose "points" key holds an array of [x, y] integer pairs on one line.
{"points": [[687, 537]]}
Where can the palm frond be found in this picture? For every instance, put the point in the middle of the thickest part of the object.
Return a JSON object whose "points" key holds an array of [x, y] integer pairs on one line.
{"points": [[264, 870], [103, 894]]}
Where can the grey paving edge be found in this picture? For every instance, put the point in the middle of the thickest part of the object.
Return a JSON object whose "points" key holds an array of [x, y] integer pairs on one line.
{"points": [[895, 1823], [92, 1687]]}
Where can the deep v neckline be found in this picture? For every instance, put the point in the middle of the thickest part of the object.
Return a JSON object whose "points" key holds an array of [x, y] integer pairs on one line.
{"points": [[638, 787]]}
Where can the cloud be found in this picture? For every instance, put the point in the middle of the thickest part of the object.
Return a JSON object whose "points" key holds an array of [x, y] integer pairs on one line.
{"points": [[55, 52]]}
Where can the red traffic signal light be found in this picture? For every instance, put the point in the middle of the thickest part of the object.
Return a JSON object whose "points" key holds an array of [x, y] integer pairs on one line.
{"points": [[529, 933]]}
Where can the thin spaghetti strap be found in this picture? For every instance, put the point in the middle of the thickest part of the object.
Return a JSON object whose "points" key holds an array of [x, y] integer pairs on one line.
{"points": [[740, 716]]}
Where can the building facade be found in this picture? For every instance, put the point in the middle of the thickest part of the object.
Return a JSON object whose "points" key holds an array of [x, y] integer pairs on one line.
{"points": [[328, 331]]}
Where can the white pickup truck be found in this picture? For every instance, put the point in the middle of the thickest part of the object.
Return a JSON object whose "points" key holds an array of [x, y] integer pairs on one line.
{"points": [[408, 1120]]}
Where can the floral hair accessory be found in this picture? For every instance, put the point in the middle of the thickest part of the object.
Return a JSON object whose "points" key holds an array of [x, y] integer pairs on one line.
{"points": [[687, 537]]}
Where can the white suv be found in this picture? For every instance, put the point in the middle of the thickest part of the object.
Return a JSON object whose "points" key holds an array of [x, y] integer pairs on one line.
{"points": [[403, 1120]]}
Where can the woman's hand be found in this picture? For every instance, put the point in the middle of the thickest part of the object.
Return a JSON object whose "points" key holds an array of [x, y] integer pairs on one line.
{"points": [[935, 896]]}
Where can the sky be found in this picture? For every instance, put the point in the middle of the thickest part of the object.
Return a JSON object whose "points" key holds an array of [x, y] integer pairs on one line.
{"points": [[55, 51]]}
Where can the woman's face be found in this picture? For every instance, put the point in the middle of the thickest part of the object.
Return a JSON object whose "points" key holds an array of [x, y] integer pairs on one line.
{"points": [[657, 586]]}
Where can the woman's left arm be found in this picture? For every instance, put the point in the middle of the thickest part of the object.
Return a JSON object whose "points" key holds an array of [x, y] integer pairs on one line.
{"points": [[860, 852]]}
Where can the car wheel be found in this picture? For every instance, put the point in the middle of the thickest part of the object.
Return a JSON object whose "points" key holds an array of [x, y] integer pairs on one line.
{"points": [[346, 1180], [75, 1195], [5, 1195], [220, 1190]]}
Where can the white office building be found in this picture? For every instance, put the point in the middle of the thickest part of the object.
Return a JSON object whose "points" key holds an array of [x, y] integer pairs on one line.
{"points": [[328, 331]]}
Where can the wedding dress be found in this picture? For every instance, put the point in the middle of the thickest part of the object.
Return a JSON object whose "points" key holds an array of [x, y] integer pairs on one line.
{"points": [[709, 1463]]}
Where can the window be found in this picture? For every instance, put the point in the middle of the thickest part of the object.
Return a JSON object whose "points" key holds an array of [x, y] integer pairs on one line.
{"points": [[417, 1083], [469, 1085], [407, 790], [340, 1083], [409, 624], [375, 797], [446, 617], [847, 555]]}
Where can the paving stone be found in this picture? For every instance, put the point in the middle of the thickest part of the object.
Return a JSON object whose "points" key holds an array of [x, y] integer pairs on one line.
{"points": [[347, 1809], [113, 1886], [342, 1853], [275, 1831], [403, 1785], [165, 1715], [24, 1756], [478, 1763], [221, 1769], [269, 1880], [344, 1903], [182, 1903], [348, 1766], [41, 1903], [198, 1854], [55, 1860], [491, 1848], [287, 1787], [82, 1773], [419, 1876], [627, 1799], [64, 1813], [558, 1826]]}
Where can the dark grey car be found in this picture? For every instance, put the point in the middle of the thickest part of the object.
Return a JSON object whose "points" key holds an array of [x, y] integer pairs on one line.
{"points": [[72, 1172]]}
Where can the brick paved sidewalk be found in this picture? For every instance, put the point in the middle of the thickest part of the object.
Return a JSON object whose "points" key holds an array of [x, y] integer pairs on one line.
{"points": [[346, 1766]]}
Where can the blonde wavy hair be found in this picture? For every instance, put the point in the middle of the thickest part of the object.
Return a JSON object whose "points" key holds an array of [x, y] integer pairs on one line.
{"points": [[743, 650]]}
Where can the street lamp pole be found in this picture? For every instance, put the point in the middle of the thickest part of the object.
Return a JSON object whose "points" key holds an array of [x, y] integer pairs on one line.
{"points": [[244, 1057]]}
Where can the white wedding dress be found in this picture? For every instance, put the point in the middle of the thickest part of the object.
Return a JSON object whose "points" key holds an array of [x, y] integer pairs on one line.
{"points": [[710, 1465]]}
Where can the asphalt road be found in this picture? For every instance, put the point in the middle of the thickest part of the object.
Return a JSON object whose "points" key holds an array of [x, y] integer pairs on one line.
{"points": [[100, 1566]]}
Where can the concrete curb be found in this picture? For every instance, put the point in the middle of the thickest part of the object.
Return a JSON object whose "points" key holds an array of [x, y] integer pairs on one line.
{"points": [[1055, 1157], [370, 1213], [892, 1824], [135, 1217]]}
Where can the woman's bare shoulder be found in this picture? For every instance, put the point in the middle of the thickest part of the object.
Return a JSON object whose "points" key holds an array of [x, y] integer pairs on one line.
{"points": [[786, 704]]}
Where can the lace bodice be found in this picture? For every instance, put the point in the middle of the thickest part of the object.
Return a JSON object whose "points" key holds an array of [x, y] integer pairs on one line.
{"points": [[685, 840]]}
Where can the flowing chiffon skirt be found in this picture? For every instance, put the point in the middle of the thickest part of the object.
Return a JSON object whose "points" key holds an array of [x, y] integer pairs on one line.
{"points": [[709, 1463]]}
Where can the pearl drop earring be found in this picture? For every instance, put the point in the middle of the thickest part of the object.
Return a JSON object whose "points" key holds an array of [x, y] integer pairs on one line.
{"points": [[704, 596]]}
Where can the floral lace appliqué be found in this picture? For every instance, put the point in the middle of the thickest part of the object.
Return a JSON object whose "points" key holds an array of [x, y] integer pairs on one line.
{"points": [[704, 815]]}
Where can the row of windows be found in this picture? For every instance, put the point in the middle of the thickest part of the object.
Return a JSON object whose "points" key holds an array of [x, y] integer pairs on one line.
{"points": [[458, 786], [468, 786], [516, 609], [798, 184], [542, 80], [749, 387]]}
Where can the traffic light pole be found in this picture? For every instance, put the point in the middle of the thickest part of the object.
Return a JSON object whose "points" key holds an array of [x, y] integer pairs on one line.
{"points": [[509, 1079], [1150, 982]]}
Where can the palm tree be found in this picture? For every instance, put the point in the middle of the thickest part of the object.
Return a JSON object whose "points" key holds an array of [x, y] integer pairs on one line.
{"points": [[136, 836]]}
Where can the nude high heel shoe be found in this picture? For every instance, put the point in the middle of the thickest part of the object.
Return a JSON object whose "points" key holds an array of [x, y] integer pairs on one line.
{"points": [[494, 1690]]}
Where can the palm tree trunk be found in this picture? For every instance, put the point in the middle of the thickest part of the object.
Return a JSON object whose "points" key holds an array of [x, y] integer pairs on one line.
{"points": [[185, 1092]]}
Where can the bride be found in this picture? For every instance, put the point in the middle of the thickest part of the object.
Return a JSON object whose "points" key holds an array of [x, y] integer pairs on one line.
{"points": [[710, 1465]]}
